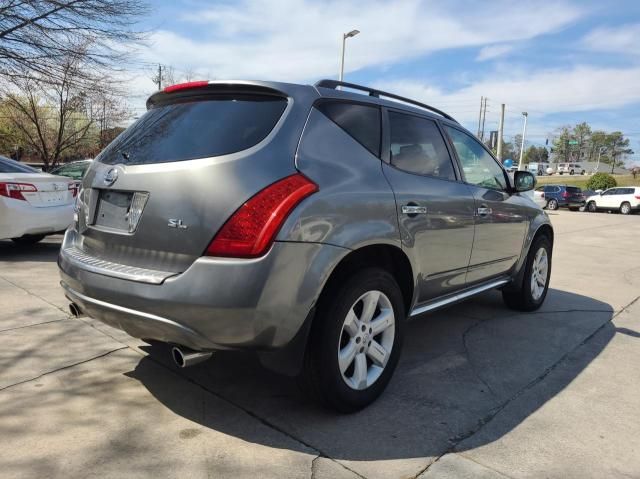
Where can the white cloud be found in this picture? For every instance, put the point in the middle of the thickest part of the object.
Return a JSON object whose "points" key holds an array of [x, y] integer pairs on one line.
{"points": [[493, 51], [579, 89], [621, 39], [298, 40]]}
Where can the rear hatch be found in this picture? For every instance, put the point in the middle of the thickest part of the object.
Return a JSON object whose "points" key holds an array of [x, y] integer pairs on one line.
{"points": [[42, 190], [156, 196], [574, 193]]}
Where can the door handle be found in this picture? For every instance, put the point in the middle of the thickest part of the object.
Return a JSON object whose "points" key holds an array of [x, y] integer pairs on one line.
{"points": [[413, 210], [484, 211]]}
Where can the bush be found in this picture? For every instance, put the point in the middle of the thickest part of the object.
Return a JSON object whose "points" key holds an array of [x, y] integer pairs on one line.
{"points": [[601, 181]]}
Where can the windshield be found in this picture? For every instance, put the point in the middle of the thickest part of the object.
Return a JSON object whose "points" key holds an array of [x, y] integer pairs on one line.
{"points": [[218, 125]]}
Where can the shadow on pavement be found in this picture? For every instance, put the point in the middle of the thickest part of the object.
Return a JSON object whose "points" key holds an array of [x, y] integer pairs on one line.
{"points": [[45, 251], [459, 368]]}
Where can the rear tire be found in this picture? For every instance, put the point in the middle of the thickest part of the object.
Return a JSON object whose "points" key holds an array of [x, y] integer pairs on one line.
{"points": [[625, 208], [552, 204], [571, 172], [531, 292], [591, 207], [28, 239], [345, 327]]}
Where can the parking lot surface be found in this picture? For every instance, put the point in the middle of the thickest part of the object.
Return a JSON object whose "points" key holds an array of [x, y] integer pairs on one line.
{"points": [[480, 391]]}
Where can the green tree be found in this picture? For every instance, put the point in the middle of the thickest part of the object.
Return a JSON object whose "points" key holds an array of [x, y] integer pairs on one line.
{"points": [[536, 154], [561, 144]]}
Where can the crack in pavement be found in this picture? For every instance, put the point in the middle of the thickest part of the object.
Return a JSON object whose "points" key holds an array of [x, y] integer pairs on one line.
{"points": [[31, 325], [35, 295], [62, 368], [497, 410], [476, 373]]}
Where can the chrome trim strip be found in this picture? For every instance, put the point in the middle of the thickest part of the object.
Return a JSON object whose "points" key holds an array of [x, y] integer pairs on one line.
{"points": [[458, 297], [122, 309], [82, 260]]}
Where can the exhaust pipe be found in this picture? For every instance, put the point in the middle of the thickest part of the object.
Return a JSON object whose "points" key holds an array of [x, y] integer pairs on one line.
{"points": [[184, 357], [75, 311]]}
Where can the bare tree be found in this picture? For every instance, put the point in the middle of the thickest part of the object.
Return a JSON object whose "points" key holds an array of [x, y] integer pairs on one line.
{"points": [[36, 36], [53, 118]]}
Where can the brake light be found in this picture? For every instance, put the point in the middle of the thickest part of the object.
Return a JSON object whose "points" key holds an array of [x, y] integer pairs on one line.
{"points": [[250, 231], [637, 197], [73, 188], [186, 86], [15, 190], [565, 194]]}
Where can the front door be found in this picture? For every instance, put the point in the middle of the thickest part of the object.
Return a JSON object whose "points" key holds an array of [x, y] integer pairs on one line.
{"points": [[501, 218], [435, 209]]}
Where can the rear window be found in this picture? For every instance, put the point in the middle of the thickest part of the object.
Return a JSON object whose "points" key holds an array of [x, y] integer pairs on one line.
{"points": [[573, 189], [215, 126], [10, 166]]}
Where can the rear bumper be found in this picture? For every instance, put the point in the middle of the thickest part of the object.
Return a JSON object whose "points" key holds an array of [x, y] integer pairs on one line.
{"points": [[18, 218], [216, 303]]}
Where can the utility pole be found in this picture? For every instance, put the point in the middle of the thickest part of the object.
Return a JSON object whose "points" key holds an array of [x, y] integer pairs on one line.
{"points": [[159, 77], [480, 116], [524, 133], [484, 116], [500, 133], [351, 34], [613, 156]]}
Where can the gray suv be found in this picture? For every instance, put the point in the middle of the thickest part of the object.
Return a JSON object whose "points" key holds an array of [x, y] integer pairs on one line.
{"points": [[302, 222]]}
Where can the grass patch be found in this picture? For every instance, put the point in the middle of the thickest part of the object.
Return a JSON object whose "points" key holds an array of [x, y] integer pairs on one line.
{"points": [[581, 181]]}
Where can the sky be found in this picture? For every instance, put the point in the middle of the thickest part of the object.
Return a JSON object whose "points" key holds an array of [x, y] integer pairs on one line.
{"points": [[562, 61]]}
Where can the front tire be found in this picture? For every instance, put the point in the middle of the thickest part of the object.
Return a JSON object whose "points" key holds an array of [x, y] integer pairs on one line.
{"points": [[27, 240], [552, 204], [531, 292], [355, 341], [625, 208]]}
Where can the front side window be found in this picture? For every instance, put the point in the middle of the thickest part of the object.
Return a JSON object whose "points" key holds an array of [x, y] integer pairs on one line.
{"points": [[417, 147], [478, 165]]}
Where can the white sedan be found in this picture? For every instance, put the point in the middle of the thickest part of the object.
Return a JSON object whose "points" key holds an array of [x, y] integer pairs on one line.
{"points": [[33, 204], [537, 196]]}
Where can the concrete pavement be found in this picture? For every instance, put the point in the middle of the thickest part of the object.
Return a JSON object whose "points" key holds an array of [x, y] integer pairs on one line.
{"points": [[480, 390]]}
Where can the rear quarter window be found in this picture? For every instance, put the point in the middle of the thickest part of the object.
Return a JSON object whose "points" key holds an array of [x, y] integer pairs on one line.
{"points": [[214, 126], [573, 189], [361, 122]]}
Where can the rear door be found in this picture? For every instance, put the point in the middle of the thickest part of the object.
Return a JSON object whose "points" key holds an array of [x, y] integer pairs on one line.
{"points": [[435, 209], [609, 199], [501, 218], [156, 196]]}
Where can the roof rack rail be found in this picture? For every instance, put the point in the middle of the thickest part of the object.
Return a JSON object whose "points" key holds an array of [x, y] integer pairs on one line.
{"points": [[378, 93]]}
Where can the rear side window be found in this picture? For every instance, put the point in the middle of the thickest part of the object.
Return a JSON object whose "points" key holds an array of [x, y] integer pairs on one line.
{"points": [[360, 121], [214, 126], [417, 146], [573, 189]]}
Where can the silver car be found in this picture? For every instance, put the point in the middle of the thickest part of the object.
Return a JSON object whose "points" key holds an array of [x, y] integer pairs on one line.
{"points": [[306, 223]]}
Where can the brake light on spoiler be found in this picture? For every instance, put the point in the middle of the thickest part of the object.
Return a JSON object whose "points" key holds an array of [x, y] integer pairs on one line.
{"points": [[186, 86], [251, 230]]}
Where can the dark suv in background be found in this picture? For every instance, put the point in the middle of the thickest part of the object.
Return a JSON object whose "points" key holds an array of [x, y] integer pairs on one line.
{"points": [[562, 196], [302, 222]]}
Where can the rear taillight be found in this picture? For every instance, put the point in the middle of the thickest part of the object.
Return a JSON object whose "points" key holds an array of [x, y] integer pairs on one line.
{"points": [[185, 86], [565, 194], [250, 231], [73, 188], [637, 197], [15, 190]]}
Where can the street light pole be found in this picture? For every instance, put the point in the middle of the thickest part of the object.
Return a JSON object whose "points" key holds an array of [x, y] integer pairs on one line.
{"points": [[352, 33], [599, 154], [524, 133]]}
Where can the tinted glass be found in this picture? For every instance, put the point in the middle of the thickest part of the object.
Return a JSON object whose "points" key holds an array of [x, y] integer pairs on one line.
{"points": [[196, 129], [418, 147], [75, 171], [573, 190], [478, 165], [360, 121], [10, 166]]}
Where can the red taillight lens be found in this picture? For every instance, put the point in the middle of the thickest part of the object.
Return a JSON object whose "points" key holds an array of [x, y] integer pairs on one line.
{"points": [[637, 197], [14, 190], [73, 188], [251, 230], [186, 86], [565, 194]]}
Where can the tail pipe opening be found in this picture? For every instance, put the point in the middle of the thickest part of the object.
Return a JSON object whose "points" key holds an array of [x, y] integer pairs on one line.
{"points": [[184, 357], [75, 311]]}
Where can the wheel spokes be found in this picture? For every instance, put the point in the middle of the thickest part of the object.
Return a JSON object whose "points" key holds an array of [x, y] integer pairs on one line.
{"points": [[369, 304], [346, 355], [359, 377], [381, 322], [378, 354], [351, 323]]}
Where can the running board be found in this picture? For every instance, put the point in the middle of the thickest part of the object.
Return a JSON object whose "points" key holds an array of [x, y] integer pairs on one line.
{"points": [[458, 297]]}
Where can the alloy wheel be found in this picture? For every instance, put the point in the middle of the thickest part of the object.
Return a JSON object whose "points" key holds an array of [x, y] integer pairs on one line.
{"points": [[366, 340], [539, 273]]}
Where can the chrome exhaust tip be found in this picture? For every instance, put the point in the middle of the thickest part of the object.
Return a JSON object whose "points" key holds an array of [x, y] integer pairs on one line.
{"points": [[184, 357], [75, 311]]}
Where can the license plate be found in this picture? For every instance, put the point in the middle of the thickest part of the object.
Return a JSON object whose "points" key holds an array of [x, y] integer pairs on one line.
{"points": [[113, 208]]}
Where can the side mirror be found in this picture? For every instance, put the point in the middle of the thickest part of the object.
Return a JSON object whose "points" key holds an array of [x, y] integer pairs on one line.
{"points": [[524, 181], [599, 192]]}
